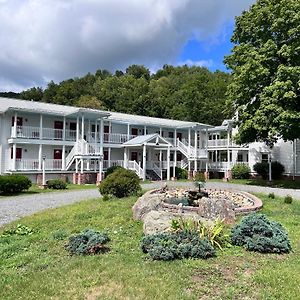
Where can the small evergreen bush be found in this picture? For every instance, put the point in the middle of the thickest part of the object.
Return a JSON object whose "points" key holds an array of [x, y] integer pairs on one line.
{"points": [[288, 199], [112, 169], [169, 246], [121, 183], [262, 169], [199, 176], [56, 184], [12, 184], [181, 173], [240, 171], [257, 233], [88, 242], [271, 196]]}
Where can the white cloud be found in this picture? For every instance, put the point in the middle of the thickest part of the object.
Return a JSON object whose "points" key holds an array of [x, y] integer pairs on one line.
{"points": [[60, 39]]}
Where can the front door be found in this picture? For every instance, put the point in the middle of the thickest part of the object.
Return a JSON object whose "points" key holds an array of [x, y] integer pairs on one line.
{"points": [[58, 127], [57, 155], [179, 135], [134, 156], [106, 133], [134, 131]]}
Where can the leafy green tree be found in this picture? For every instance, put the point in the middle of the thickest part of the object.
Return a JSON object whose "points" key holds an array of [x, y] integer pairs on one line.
{"points": [[35, 94], [138, 71], [266, 69], [89, 102]]}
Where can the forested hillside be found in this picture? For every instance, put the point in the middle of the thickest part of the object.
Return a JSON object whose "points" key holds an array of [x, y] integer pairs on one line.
{"points": [[184, 93]]}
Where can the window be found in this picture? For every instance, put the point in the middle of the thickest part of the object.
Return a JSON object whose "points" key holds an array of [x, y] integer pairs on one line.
{"points": [[171, 134], [240, 158]]}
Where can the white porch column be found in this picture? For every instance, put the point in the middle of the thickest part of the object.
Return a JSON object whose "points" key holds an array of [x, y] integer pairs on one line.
{"points": [[101, 148], [41, 126], [76, 165], [81, 165], [145, 130], [128, 132], [206, 148], [109, 155], [64, 129], [125, 158], [15, 125], [77, 129], [195, 161], [100, 169], [228, 154], [14, 156], [168, 163], [89, 130], [175, 153], [82, 126], [144, 161], [96, 131], [40, 156], [63, 158]]}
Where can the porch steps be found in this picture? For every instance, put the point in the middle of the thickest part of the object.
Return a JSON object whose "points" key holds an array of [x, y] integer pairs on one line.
{"points": [[151, 175]]}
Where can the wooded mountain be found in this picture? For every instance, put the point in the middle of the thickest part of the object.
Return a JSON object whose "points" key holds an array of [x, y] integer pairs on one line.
{"points": [[183, 93]]}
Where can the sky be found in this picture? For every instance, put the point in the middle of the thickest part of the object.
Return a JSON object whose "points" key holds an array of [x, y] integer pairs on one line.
{"points": [[43, 40]]}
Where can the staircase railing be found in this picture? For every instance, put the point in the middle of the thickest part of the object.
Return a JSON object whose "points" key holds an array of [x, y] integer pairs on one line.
{"points": [[134, 166], [155, 168]]}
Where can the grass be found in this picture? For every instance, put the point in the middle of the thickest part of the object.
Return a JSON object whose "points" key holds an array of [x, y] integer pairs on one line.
{"points": [[287, 184], [35, 189], [37, 266]]}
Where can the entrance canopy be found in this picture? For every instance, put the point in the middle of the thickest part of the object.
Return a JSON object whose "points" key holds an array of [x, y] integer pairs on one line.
{"points": [[150, 140]]}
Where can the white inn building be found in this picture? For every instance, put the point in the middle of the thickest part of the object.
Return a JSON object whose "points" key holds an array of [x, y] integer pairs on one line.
{"points": [[80, 144]]}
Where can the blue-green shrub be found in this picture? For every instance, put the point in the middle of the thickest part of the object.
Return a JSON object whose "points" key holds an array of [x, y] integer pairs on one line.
{"points": [[170, 246], [257, 233], [240, 171], [88, 242], [56, 184]]}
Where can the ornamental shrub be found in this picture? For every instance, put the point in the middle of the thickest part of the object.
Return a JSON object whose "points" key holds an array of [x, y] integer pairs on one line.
{"points": [[178, 245], [257, 233], [181, 173], [12, 184], [113, 169], [88, 242], [56, 184], [262, 169], [288, 199], [121, 183], [240, 171], [199, 176]]}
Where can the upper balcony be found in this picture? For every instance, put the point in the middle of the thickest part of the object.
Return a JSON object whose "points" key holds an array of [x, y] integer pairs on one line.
{"points": [[30, 132], [221, 143]]}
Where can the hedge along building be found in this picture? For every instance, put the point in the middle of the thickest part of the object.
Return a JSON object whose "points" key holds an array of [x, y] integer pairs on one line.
{"points": [[81, 144]]}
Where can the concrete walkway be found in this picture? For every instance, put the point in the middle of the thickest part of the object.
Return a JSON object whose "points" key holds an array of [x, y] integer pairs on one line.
{"points": [[14, 208]]}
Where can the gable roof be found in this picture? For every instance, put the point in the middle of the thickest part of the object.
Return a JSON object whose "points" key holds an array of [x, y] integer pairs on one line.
{"points": [[144, 139]]}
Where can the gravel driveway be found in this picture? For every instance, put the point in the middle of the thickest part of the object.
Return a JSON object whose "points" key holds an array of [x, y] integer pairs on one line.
{"points": [[13, 208]]}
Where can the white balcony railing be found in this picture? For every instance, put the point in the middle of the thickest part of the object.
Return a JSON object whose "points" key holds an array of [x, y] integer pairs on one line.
{"points": [[31, 132], [221, 143], [33, 165], [223, 165], [112, 163], [117, 138]]}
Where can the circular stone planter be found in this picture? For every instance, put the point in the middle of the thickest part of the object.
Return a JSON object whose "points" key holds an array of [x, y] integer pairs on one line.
{"points": [[156, 214]]}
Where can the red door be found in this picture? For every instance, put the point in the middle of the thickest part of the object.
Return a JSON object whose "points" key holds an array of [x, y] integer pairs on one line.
{"points": [[19, 121], [18, 153], [179, 156], [57, 154], [134, 131], [134, 156], [105, 155], [58, 127]]}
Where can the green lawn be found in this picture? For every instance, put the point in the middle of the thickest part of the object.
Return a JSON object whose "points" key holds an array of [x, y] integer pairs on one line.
{"points": [[38, 267], [35, 189], [288, 184]]}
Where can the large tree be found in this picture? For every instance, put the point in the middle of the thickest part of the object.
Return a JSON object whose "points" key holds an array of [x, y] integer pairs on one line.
{"points": [[265, 63]]}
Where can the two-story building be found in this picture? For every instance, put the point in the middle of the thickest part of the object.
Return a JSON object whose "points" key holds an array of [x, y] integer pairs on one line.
{"points": [[80, 144]]}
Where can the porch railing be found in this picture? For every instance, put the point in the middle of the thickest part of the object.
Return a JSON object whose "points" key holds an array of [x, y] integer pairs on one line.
{"points": [[33, 165], [31, 132], [117, 138]]}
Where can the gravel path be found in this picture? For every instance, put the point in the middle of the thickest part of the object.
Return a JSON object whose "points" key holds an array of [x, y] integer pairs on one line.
{"points": [[295, 193], [13, 208]]}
